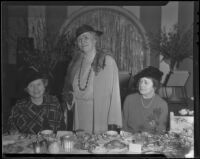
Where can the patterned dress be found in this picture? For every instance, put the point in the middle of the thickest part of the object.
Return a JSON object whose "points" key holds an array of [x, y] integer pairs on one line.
{"points": [[26, 117]]}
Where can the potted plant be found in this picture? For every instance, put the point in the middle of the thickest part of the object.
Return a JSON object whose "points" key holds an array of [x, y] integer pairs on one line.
{"points": [[174, 46]]}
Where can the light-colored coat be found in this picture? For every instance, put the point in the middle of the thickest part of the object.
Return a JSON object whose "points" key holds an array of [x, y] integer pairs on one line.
{"points": [[106, 105]]}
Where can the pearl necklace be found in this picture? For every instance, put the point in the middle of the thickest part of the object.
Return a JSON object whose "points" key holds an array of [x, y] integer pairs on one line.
{"points": [[79, 76], [148, 105]]}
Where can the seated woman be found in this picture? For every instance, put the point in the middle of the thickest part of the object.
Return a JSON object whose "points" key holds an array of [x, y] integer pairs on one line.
{"points": [[39, 110], [146, 111]]}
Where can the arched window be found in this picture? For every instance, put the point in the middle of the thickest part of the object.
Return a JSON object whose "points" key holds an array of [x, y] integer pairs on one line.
{"points": [[123, 34]]}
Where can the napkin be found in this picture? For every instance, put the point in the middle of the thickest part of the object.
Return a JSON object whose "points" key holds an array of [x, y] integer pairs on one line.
{"points": [[136, 148]]}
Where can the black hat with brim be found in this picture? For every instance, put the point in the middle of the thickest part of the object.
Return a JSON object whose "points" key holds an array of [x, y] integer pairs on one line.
{"points": [[149, 72], [87, 28], [32, 74]]}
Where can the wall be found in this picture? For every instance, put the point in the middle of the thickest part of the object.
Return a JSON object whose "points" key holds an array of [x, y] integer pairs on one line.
{"points": [[133, 9], [55, 17], [150, 17], [36, 16], [185, 20], [14, 26], [17, 16]]}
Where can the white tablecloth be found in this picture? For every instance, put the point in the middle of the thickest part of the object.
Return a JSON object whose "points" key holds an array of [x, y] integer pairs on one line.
{"points": [[26, 142]]}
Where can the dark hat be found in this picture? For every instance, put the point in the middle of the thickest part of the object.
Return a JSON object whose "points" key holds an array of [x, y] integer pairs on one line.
{"points": [[151, 72], [31, 74], [87, 28]]}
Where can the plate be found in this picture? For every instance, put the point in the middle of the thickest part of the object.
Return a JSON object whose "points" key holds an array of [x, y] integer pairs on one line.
{"points": [[12, 148], [152, 152], [116, 146], [11, 137], [64, 133], [99, 150], [117, 150], [46, 132], [7, 142], [111, 133], [126, 134]]}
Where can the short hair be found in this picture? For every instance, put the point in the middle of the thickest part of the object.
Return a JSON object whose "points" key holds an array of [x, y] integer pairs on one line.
{"points": [[156, 84]]}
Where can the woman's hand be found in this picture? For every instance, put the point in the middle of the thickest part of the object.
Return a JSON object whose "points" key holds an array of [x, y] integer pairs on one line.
{"points": [[69, 99]]}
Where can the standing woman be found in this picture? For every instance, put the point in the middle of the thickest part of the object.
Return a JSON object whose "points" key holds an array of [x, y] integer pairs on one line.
{"points": [[93, 85], [146, 111]]}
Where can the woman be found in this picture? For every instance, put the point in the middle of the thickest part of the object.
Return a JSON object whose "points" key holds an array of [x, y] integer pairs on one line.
{"points": [[37, 112], [92, 83], [146, 110]]}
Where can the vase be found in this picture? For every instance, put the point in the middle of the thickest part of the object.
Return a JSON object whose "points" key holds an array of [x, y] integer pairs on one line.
{"points": [[173, 97], [165, 92]]}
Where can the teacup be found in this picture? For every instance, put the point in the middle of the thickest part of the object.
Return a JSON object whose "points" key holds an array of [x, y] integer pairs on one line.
{"points": [[46, 133], [64, 133], [53, 146], [39, 146]]}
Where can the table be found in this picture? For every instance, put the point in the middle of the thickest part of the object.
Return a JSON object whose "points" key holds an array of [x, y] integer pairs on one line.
{"points": [[171, 144]]}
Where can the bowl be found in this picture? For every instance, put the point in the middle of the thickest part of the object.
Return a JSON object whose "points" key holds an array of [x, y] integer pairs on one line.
{"points": [[64, 133], [111, 133], [46, 133], [126, 134]]}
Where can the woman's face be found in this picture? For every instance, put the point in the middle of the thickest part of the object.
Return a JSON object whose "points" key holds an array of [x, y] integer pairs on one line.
{"points": [[146, 86], [36, 88], [86, 42]]}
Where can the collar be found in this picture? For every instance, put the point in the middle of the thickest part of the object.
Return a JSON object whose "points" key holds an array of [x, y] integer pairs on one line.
{"points": [[99, 61]]}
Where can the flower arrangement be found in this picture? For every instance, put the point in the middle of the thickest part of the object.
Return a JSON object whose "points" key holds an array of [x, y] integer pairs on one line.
{"points": [[153, 120], [174, 45]]}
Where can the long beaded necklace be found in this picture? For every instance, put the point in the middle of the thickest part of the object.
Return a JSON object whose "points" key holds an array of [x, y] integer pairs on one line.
{"points": [[79, 76], [148, 105]]}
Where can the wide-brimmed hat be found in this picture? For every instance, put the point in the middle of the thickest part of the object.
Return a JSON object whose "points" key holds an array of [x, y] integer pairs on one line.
{"points": [[31, 74], [151, 72], [87, 28]]}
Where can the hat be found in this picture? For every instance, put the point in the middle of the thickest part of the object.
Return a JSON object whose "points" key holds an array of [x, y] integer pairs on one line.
{"points": [[87, 28], [151, 72], [31, 74]]}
